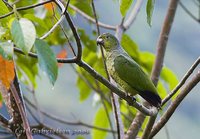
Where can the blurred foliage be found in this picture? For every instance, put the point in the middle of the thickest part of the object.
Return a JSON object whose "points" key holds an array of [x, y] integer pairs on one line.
{"points": [[100, 120], [124, 6]]}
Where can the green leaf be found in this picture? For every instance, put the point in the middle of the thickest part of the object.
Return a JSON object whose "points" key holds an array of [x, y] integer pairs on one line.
{"points": [[6, 50], [90, 58], [147, 60], [130, 47], [100, 120], [4, 10], [149, 10], [168, 76], [124, 6], [83, 5], [84, 89], [47, 60], [161, 90], [24, 34]]}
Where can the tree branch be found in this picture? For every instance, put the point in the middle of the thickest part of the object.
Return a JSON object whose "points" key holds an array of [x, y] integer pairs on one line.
{"points": [[87, 17], [182, 82], [62, 121], [133, 14], [160, 54], [54, 27], [26, 8], [21, 110], [171, 109]]}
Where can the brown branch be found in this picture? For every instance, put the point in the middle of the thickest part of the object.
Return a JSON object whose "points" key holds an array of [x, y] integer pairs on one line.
{"points": [[135, 125], [133, 14], [182, 82], [87, 17], [59, 60], [171, 109], [160, 54], [21, 110]]}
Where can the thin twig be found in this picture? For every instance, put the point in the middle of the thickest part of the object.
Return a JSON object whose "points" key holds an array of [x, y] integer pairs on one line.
{"points": [[62, 121], [63, 30], [182, 82], [73, 28], [171, 109], [110, 27], [26, 8], [188, 12], [133, 14], [59, 60], [53, 28]]}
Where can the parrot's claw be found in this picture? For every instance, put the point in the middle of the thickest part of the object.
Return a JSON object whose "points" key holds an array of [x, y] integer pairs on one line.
{"points": [[133, 98]]}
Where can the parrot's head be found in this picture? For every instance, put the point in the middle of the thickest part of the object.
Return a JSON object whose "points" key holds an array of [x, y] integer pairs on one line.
{"points": [[108, 41]]}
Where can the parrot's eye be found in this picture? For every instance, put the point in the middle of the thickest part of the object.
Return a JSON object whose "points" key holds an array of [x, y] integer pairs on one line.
{"points": [[107, 37]]}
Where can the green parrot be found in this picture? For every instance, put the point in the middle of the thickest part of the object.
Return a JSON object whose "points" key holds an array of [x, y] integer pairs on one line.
{"points": [[126, 72]]}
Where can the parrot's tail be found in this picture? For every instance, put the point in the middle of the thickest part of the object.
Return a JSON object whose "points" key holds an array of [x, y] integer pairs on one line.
{"points": [[153, 98]]}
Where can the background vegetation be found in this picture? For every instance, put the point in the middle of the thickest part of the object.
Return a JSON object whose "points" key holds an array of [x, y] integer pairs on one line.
{"points": [[67, 96]]}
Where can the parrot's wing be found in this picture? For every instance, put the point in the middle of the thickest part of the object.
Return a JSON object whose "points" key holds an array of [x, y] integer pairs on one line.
{"points": [[130, 72]]}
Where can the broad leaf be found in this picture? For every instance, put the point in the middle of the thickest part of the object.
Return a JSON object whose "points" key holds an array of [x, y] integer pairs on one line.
{"points": [[147, 59], [89, 57], [23, 33], [7, 73], [168, 76], [85, 90], [149, 10], [83, 5], [47, 60], [161, 90], [100, 120], [124, 6]]}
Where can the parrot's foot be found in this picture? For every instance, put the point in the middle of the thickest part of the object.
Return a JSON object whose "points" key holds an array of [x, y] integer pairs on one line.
{"points": [[133, 98]]}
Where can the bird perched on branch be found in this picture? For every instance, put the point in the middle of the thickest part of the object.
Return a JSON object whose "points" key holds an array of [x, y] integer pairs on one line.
{"points": [[126, 72]]}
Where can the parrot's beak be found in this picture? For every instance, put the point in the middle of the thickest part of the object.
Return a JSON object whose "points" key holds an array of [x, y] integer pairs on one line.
{"points": [[100, 41]]}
